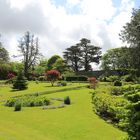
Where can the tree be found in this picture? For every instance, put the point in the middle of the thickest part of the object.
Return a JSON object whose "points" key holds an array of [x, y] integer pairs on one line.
{"points": [[4, 55], [131, 34], [72, 57], [60, 65], [82, 55], [117, 58], [20, 82], [90, 53], [52, 60], [16, 66], [52, 76], [29, 48]]}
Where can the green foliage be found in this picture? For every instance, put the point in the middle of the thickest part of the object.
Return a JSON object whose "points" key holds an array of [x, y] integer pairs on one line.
{"points": [[60, 65], [112, 78], [128, 78], [28, 101], [108, 106], [4, 55], [116, 91], [117, 58], [42, 78], [17, 107], [117, 83], [52, 61], [67, 100], [20, 82], [4, 70], [131, 34], [131, 120]]}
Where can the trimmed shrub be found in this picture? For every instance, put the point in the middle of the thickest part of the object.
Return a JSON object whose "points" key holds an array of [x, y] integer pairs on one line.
{"points": [[117, 83], [67, 100], [17, 107], [76, 78]]}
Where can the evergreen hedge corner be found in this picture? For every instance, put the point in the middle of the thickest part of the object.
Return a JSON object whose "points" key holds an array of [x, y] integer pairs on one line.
{"points": [[20, 83]]}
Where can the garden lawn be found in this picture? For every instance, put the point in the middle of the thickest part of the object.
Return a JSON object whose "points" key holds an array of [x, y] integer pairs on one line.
{"points": [[73, 122]]}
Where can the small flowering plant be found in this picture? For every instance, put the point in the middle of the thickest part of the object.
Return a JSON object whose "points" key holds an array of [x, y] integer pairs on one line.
{"points": [[93, 82]]}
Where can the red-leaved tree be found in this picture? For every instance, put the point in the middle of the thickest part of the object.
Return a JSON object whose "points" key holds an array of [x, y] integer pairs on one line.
{"points": [[52, 76], [93, 82]]}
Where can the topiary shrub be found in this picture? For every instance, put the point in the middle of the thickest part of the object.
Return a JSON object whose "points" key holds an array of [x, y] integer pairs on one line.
{"points": [[67, 100], [117, 83], [17, 107]]}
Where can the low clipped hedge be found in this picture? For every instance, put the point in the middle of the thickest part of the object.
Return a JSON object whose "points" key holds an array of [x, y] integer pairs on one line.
{"points": [[76, 78], [28, 101]]}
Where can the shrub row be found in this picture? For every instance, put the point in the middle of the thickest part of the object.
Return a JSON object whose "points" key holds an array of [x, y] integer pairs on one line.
{"points": [[28, 101], [108, 106], [76, 78]]}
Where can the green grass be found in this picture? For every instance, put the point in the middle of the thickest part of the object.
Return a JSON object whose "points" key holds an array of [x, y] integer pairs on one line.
{"points": [[73, 122]]}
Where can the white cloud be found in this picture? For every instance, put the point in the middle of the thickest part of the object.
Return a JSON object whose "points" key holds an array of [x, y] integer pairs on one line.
{"points": [[98, 20], [73, 2], [98, 9]]}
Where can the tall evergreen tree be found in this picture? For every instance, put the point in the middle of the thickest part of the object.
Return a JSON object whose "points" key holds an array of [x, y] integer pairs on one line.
{"points": [[72, 57], [82, 55], [20, 82], [90, 53]]}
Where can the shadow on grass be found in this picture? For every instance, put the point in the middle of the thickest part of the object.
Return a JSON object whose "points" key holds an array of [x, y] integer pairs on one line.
{"points": [[14, 90], [50, 92]]}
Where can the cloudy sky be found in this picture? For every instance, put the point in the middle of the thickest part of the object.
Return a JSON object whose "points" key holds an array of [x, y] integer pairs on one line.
{"points": [[62, 23]]}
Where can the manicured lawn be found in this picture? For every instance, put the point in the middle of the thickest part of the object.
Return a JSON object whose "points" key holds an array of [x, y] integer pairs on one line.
{"points": [[74, 122]]}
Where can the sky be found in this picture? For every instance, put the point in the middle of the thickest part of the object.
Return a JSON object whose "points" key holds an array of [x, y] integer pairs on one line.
{"points": [[60, 24]]}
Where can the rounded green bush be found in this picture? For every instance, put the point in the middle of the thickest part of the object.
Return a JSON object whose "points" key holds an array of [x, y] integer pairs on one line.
{"points": [[117, 83], [67, 100], [17, 107]]}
